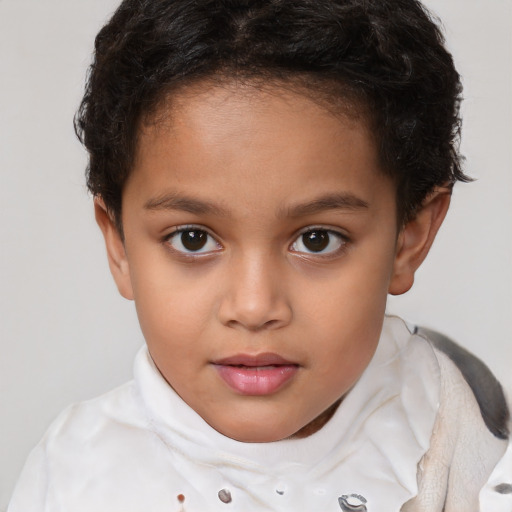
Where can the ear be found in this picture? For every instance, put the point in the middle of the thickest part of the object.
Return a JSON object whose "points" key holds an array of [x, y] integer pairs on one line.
{"points": [[416, 238], [116, 252]]}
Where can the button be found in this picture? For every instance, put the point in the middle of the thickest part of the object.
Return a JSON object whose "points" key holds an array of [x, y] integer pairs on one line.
{"points": [[352, 503], [225, 496], [281, 488]]}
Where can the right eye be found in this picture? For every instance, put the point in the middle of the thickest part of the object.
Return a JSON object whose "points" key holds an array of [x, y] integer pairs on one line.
{"points": [[192, 240]]}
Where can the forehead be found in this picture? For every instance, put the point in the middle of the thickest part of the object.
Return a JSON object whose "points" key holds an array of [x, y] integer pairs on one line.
{"points": [[332, 96], [240, 141], [216, 106]]}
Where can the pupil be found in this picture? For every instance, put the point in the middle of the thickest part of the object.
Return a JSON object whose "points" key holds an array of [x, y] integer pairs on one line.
{"points": [[193, 240], [316, 241]]}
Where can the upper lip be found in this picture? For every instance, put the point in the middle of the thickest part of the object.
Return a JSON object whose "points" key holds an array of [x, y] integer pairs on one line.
{"points": [[265, 359]]}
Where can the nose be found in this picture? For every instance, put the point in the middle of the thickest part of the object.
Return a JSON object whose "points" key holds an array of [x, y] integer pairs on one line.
{"points": [[255, 298]]}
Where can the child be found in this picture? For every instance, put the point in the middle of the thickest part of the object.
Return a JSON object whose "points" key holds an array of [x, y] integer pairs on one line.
{"points": [[264, 173]]}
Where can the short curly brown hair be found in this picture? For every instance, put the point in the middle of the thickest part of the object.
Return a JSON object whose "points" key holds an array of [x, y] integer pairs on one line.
{"points": [[390, 54]]}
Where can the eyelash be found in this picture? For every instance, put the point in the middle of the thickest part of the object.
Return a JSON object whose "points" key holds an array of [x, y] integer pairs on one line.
{"points": [[342, 241], [188, 253]]}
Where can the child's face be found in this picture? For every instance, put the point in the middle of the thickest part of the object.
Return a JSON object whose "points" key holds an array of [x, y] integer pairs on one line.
{"points": [[260, 240]]}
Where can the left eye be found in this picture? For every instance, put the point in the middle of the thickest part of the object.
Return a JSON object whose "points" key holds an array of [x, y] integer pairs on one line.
{"points": [[192, 241], [318, 241]]}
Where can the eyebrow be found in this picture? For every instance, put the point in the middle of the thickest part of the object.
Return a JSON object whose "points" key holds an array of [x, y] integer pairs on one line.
{"points": [[184, 203], [340, 201]]}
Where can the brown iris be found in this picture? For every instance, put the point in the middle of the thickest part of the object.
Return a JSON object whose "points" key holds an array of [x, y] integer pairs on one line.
{"points": [[316, 241], [194, 239]]}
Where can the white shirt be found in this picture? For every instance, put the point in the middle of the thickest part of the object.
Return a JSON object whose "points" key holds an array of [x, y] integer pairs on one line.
{"points": [[141, 448]]}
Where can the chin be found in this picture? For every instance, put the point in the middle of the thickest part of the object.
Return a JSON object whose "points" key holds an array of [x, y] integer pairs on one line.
{"points": [[261, 438], [257, 433]]}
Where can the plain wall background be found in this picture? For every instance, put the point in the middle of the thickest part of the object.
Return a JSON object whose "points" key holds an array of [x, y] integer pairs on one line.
{"points": [[65, 333]]}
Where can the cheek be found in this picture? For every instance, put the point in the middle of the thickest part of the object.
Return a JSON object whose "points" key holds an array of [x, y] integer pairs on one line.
{"points": [[173, 325], [355, 294], [172, 305], [350, 321]]}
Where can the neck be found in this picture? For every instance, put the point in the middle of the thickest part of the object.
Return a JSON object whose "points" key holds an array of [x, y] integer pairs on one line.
{"points": [[317, 423]]}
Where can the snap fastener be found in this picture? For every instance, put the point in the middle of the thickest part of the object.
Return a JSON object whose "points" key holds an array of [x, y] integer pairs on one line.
{"points": [[225, 496], [352, 503], [281, 488], [503, 488]]}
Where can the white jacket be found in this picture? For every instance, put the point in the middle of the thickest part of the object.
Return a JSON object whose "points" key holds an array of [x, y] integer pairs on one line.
{"points": [[409, 436]]}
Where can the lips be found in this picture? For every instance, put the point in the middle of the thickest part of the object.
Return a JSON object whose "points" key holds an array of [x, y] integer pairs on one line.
{"points": [[258, 375]]}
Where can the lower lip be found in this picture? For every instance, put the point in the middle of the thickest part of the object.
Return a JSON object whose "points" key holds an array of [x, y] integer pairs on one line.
{"points": [[256, 381]]}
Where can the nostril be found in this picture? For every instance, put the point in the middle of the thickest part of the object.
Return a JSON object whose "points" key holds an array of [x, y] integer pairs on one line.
{"points": [[255, 327], [255, 301]]}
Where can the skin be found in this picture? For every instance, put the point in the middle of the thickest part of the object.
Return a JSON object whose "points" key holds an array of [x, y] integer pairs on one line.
{"points": [[255, 169]]}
